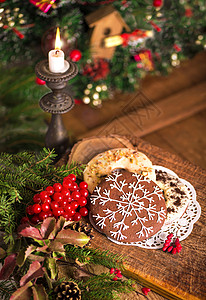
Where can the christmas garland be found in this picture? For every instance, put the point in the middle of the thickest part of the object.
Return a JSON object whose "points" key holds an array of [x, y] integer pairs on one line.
{"points": [[150, 39]]}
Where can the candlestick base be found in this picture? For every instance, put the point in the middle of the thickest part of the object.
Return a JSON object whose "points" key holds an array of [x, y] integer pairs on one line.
{"points": [[56, 136], [57, 103], [49, 103]]}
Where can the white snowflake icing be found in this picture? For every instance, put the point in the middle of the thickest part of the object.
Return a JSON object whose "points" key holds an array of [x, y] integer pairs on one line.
{"points": [[130, 203]]}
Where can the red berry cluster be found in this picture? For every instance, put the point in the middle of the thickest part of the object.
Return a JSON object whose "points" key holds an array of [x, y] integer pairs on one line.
{"points": [[66, 199], [98, 69], [174, 247], [117, 273], [145, 290]]}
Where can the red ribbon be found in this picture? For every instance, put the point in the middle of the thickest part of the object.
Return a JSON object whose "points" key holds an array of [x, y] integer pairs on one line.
{"points": [[177, 48], [157, 28], [135, 34], [99, 3], [18, 33]]}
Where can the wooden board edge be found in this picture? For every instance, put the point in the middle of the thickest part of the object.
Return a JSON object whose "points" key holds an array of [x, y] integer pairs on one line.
{"points": [[129, 272], [121, 139]]}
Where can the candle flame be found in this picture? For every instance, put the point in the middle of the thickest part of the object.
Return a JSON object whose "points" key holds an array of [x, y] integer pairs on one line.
{"points": [[58, 41]]}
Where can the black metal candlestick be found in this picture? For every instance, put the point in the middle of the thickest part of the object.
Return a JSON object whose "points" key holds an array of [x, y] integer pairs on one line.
{"points": [[57, 103]]}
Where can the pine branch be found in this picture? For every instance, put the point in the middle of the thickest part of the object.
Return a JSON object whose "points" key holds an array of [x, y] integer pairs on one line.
{"points": [[7, 288], [103, 287], [95, 256], [9, 197], [74, 168]]}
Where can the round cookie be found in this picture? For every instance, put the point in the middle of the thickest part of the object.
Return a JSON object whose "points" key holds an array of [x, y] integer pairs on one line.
{"points": [[127, 207], [175, 193], [121, 158]]}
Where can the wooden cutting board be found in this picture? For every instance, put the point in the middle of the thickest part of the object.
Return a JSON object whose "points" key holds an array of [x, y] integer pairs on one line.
{"points": [[180, 276]]}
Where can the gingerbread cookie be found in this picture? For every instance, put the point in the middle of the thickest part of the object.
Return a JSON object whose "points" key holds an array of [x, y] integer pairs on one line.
{"points": [[120, 158], [127, 207], [175, 193]]}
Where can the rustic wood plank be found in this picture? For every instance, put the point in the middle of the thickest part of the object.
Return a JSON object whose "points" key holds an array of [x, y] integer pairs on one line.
{"points": [[188, 74], [158, 140], [181, 276], [186, 138], [140, 119], [191, 72]]}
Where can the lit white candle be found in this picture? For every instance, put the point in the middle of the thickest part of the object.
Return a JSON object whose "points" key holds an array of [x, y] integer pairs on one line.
{"points": [[57, 64]]}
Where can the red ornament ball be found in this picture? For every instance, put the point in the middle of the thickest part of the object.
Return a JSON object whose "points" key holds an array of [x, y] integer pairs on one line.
{"points": [[75, 55], [78, 101], [188, 12], [40, 81], [157, 3]]}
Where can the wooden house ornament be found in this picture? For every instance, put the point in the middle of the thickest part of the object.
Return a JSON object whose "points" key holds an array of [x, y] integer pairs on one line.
{"points": [[104, 22]]}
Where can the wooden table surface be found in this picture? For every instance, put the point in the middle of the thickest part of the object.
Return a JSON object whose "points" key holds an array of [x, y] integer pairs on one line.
{"points": [[181, 132], [181, 276]]}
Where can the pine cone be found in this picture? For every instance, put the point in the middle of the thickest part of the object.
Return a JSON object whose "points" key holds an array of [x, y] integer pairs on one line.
{"points": [[85, 228], [68, 291]]}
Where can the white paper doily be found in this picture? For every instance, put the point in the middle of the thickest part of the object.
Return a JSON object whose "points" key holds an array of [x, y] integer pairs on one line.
{"points": [[181, 228]]}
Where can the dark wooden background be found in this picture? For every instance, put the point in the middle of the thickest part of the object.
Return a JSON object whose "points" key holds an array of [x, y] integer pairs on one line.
{"points": [[172, 112], [168, 112]]}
